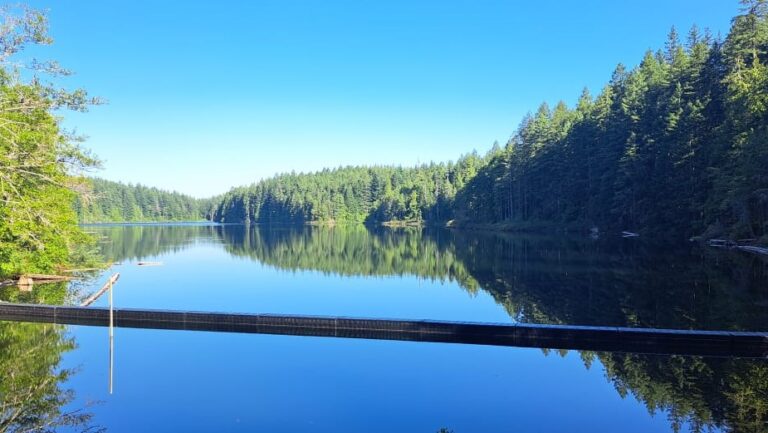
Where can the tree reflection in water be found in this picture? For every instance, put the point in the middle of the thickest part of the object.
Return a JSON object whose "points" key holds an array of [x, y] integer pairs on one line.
{"points": [[33, 392]]}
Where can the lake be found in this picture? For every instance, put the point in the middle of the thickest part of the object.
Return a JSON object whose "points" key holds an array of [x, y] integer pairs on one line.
{"points": [[202, 381]]}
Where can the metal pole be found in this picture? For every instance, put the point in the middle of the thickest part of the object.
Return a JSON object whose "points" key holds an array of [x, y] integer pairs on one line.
{"points": [[111, 336]]}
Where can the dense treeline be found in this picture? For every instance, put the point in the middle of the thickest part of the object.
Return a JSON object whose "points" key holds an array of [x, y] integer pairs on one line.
{"points": [[118, 202], [675, 145], [352, 194]]}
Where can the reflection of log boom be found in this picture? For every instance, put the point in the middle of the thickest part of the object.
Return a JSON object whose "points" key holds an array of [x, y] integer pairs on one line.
{"points": [[48, 278], [82, 270], [91, 299], [26, 282], [42, 278], [727, 243], [753, 249]]}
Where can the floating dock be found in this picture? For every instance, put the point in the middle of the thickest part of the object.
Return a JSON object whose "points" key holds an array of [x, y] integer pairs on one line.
{"points": [[608, 339]]}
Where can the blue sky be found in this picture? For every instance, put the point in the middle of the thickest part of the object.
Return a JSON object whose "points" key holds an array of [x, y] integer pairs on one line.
{"points": [[206, 95]]}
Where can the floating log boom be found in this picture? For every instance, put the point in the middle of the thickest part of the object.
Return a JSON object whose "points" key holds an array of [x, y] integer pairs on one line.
{"points": [[593, 338]]}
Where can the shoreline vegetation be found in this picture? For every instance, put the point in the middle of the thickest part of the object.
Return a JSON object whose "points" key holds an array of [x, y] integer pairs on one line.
{"points": [[118, 203]]}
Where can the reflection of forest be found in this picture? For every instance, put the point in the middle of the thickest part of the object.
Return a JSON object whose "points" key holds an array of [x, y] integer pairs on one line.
{"points": [[134, 242], [619, 284], [548, 280], [33, 394], [540, 280], [352, 251], [706, 393]]}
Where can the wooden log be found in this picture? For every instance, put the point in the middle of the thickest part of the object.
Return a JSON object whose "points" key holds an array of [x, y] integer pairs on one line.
{"points": [[91, 299], [48, 278], [150, 263]]}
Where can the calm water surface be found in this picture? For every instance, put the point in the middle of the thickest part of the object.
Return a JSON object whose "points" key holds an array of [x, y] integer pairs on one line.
{"points": [[187, 381]]}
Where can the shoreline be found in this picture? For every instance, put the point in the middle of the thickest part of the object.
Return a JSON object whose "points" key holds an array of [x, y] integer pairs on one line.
{"points": [[542, 228]]}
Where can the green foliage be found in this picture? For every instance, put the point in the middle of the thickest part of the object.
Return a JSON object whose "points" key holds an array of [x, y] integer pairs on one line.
{"points": [[351, 195], [117, 202], [39, 162], [673, 147]]}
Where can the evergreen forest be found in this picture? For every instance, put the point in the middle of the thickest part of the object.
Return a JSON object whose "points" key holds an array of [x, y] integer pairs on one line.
{"points": [[117, 202], [675, 146]]}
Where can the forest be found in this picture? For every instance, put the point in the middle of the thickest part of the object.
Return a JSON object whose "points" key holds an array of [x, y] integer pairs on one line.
{"points": [[352, 195], [117, 202], [675, 146]]}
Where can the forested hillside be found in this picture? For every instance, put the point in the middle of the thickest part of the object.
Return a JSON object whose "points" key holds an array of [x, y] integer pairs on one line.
{"points": [[352, 194], [118, 202], [675, 146]]}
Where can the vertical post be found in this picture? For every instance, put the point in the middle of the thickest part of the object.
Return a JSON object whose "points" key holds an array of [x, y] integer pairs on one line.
{"points": [[111, 335]]}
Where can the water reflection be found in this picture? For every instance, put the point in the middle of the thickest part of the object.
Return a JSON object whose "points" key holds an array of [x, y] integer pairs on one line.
{"points": [[547, 280], [33, 385], [33, 393], [537, 279], [700, 393]]}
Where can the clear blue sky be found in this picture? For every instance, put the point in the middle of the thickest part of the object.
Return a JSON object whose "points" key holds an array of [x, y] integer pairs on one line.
{"points": [[206, 95]]}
